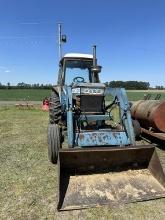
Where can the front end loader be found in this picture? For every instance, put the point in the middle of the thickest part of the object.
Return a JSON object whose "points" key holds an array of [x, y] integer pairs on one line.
{"points": [[101, 165]]}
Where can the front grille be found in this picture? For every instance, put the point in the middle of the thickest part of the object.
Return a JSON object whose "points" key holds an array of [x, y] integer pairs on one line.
{"points": [[91, 103]]}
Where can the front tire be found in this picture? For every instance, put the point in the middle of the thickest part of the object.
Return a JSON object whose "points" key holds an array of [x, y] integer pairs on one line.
{"points": [[137, 128], [54, 143]]}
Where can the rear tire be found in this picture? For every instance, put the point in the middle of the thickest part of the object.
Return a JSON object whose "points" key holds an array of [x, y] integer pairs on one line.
{"points": [[54, 108], [54, 143]]}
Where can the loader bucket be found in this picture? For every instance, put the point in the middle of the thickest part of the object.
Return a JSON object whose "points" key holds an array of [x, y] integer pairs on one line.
{"points": [[108, 176]]}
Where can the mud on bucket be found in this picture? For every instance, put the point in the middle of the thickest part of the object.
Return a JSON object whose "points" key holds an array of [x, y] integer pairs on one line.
{"points": [[108, 176]]}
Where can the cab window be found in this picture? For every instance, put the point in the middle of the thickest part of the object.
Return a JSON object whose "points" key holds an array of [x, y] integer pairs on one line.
{"points": [[77, 68]]}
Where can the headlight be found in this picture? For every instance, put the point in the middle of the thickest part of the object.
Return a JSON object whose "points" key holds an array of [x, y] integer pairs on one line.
{"points": [[92, 91]]}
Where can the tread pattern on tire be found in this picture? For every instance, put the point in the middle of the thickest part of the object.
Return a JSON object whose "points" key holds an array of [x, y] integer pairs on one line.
{"points": [[137, 128], [54, 108], [53, 142]]}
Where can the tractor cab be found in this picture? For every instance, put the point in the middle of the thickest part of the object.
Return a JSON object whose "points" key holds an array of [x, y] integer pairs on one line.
{"points": [[80, 72], [77, 68]]}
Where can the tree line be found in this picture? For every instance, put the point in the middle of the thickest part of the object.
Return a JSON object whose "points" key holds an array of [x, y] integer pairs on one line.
{"points": [[138, 85], [131, 85], [23, 85]]}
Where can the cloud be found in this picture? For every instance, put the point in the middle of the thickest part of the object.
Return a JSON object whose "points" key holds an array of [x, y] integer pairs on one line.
{"points": [[7, 71], [29, 23], [2, 67]]}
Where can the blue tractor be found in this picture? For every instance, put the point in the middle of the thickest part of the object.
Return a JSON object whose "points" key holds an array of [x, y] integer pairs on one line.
{"points": [[96, 147]]}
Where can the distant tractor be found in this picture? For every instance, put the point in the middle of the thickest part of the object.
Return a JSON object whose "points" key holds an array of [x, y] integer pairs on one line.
{"points": [[102, 159]]}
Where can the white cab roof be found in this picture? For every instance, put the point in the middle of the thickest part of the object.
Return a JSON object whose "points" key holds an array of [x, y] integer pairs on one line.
{"points": [[79, 55]]}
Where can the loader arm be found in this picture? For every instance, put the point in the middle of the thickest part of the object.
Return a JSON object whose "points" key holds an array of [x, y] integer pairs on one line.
{"points": [[125, 113]]}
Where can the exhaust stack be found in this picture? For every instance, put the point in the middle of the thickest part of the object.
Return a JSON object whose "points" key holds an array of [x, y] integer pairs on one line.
{"points": [[95, 69]]}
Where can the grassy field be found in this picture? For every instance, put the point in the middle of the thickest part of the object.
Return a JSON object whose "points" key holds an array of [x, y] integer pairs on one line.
{"points": [[28, 188], [23, 94], [39, 94], [134, 95]]}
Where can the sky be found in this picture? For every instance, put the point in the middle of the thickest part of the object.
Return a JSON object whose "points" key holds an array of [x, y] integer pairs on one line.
{"points": [[129, 34]]}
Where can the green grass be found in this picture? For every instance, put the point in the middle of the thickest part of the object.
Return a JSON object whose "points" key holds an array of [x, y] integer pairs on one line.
{"points": [[136, 95], [23, 94], [28, 181], [39, 94]]}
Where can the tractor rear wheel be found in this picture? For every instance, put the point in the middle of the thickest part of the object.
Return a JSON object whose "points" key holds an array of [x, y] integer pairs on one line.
{"points": [[54, 108], [54, 142]]}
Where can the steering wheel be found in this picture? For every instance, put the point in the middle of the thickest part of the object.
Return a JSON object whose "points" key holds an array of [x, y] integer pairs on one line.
{"points": [[78, 79]]}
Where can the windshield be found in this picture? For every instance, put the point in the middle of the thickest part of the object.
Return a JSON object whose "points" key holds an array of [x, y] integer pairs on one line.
{"points": [[77, 68]]}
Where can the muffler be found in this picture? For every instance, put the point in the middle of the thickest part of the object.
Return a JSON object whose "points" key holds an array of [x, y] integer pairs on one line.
{"points": [[108, 176]]}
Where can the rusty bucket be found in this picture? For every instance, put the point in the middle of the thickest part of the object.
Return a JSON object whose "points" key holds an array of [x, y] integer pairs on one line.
{"points": [[108, 176]]}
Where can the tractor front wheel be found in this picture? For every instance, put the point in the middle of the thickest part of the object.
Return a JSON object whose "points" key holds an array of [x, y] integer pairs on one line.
{"points": [[137, 128], [54, 142]]}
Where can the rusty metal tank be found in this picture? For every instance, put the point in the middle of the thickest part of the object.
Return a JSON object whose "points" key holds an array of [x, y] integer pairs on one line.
{"points": [[150, 114]]}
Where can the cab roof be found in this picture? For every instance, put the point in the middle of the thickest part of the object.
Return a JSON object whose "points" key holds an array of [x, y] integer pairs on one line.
{"points": [[78, 55]]}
